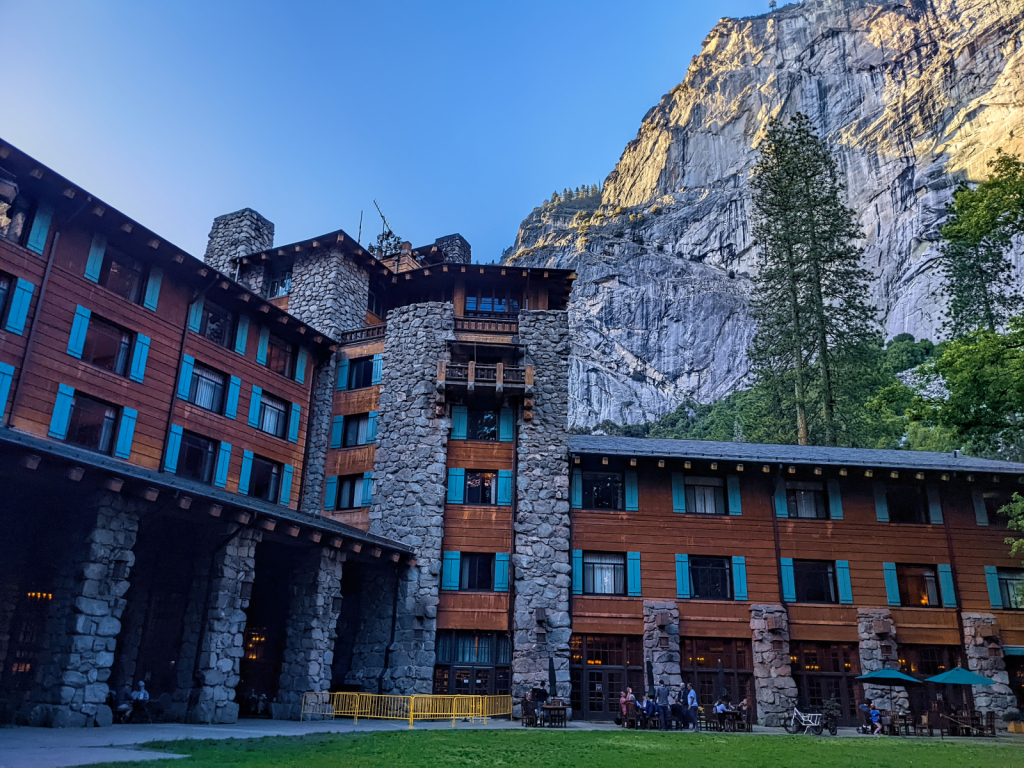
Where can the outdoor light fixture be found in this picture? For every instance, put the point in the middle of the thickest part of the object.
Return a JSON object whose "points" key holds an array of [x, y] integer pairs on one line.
{"points": [[970, 478], [843, 472], [817, 470], [604, 460], [336, 604], [766, 469], [576, 460], [894, 475], [686, 465], [869, 473], [632, 462], [919, 475], [792, 470], [246, 588], [119, 569], [714, 466], [944, 476], [661, 463], [739, 467]]}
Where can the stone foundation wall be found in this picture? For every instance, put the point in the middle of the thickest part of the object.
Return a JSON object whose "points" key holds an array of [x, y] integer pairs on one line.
{"points": [[773, 676], [985, 656], [540, 560], [237, 234], [373, 633], [878, 651], [664, 661]]}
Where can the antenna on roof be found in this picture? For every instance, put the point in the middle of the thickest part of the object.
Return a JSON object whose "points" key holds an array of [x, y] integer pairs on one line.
{"points": [[359, 237], [384, 221]]}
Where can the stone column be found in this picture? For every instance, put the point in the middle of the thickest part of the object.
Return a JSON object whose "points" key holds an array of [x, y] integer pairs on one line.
{"points": [[664, 661], [773, 676], [877, 635], [78, 653], [318, 437], [985, 656], [310, 631], [409, 478], [541, 556], [239, 234]]}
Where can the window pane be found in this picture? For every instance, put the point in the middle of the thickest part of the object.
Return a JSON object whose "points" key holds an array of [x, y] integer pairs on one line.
{"points": [[279, 356], [604, 574], [273, 416], [710, 578], [480, 488], [806, 503], [482, 425], [1011, 587], [207, 389], [917, 585], [603, 490], [815, 582], [92, 424], [218, 325], [906, 504], [5, 291], [360, 372], [264, 479], [122, 275], [476, 571], [195, 459], [106, 346]]}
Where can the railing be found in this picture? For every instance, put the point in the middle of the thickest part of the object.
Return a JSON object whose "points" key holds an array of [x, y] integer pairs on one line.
{"points": [[505, 324], [489, 375], [321, 705], [367, 333]]}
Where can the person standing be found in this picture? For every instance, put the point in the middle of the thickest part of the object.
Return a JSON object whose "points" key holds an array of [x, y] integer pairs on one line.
{"points": [[691, 703], [661, 698]]}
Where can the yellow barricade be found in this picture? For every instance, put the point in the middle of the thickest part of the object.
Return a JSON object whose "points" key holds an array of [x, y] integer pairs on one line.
{"points": [[322, 704]]}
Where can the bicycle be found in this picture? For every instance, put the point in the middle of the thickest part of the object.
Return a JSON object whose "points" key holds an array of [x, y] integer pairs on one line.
{"points": [[813, 722]]}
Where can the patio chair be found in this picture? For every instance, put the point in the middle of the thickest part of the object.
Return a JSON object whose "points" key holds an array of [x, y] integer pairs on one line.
{"points": [[989, 729], [529, 719], [631, 720], [926, 725]]}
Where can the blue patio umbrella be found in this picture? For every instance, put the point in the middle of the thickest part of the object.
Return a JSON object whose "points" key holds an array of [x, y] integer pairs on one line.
{"points": [[889, 677], [960, 676]]}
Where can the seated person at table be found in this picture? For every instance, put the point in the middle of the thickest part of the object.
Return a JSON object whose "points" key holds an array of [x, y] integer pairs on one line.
{"points": [[529, 707], [123, 702], [720, 710], [540, 695], [865, 710], [742, 709], [646, 710]]}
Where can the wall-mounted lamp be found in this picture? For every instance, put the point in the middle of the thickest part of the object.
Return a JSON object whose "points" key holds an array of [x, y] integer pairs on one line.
{"points": [[766, 469], [919, 475], [869, 473], [686, 465], [894, 475], [336, 604], [119, 568], [661, 463], [714, 466], [576, 460], [792, 470], [944, 476], [970, 478], [739, 467], [632, 462], [604, 460], [843, 472], [245, 591], [817, 470]]}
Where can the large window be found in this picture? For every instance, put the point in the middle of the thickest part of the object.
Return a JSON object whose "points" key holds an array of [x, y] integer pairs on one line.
{"points": [[196, 458], [604, 573], [476, 571], [6, 285], [711, 578], [356, 430], [207, 388], [92, 424], [824, 671], [481, 488], [705, 496], [264, 479], [815, 581], [279, 284], [918, 586], [360, 372], [481, 424], [218, 325], [699, 660], [374, 304], [907, 504], [350, 492], [1011, 588], [806, 500], [15, 210], [107, 346], [122, 274], [273, 415], [994, 501], [473, 663], [280, 356], [492, 300], [603, 490]]}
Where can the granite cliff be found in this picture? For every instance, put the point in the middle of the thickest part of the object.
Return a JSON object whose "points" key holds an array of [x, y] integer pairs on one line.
{"points": [[915, 96]]}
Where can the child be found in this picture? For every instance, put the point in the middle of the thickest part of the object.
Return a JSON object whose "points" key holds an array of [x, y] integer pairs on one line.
{"points": [[876, 720]]}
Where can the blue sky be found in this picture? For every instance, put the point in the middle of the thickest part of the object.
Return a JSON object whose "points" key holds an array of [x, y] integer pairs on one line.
{"points": [[455, 117]]}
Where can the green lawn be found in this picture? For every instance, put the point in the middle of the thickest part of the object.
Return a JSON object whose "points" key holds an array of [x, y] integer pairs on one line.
{"points": [[587, 748]]}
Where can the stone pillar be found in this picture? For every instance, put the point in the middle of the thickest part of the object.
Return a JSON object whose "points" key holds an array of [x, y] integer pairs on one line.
{"points": [[541, 555], [372, 633], [410, 476], [877, 634], [773, 676], [239, 234], [78, 652], [664, 660], [985, 656], [456, 249], [310, 631], [222, 631], [318, 437]]}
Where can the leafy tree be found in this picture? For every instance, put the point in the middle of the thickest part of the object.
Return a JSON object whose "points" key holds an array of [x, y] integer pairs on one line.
{"points": [[1015, 511], [388, 243]]}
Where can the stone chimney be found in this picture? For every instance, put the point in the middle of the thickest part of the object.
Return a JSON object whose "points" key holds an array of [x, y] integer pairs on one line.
{"points": [[237, 234], [455, 249]]}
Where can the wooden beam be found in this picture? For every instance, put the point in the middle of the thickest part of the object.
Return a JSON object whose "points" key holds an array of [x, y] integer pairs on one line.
{"points": [[395, 557], [266, 524], [314, 536], [179, 258], [291, 530], [30, 461], [154, 244], [376, 552], [336, 542], [75, 474], [214, 510], [127, 227], [114, 484], [151, 494], [355, 546], [241, 517], [184, 502]]}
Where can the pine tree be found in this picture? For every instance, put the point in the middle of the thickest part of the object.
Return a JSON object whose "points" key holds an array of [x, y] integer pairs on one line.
{"points": [[554, 197]]}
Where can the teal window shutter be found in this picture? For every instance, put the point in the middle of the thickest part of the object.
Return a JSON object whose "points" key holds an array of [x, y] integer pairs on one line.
{"points": [[261, 349], [126, 433], [506, 426], [300, 365], [6, 379], [79, 329], [835, 500], [739, 578], [242, 334], [934, 504], [286, 485], [139, 357], [460, 422], [992, 579], [371, 427], [946, 586], [781, 503], [576, 491], [505, 487], [732, 483], [788, 580], [501, 572], [577, 571], [337, 425], [195, 314], [243, 477], [843, 582], [220, 475], [633, 574], [342, 382], [62, 411], [293, 423], [173, 449], [367, 498], [980, 511], [331, 493], [152, 298], [892, 584], [20, 302], [40, 228], [632, 492], [94, 264], [185, 377], [450, 568], [881, 504], [378, 369], [234, 390], [254, 406], [678, 494], [683, 577], [456, 485]]}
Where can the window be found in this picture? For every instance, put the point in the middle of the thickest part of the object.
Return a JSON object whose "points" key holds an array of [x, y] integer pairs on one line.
{"points": [[6, 284], [907, 504], [92, 424], [481, 424], [918, 585], [356, 430], [481, 488], [106, 346], [273, 415], [218, 325], [207, 389], [279, 284], [705, 496], [360, 372], [603, 490], [806, 500], [477, 572], [994, 500], [374, 304], [196, 458], [604, 574], [279, 356], [815, 581], [491, 300], [711, 578], [1011, 588], [350, 492], [264, 479], [122, 275], [15, 210]]}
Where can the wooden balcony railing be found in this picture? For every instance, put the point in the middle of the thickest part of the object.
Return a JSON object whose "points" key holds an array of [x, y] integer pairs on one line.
{"points": [[498, 376], [504, 324], [367, 333]]}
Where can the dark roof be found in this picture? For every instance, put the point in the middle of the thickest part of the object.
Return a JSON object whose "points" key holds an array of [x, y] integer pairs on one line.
{"points": [[791, 454], [336, 239]]}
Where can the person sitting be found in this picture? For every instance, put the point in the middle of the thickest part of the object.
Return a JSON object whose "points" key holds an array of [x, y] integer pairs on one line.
{"points": [[140, 701], [529, 710], [648, 710], [720, 710], [123, 703], [865, 710]]}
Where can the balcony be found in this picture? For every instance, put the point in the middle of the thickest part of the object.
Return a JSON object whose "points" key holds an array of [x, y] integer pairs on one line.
{"points": [[472, 375], [507, 325], [362, 335]]}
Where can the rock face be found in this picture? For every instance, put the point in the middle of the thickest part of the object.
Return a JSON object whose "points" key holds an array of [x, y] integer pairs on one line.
{"points": [[914, 96]]}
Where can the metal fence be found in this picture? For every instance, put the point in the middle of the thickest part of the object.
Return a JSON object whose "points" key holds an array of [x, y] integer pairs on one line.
{"points": [[323, 705]]}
